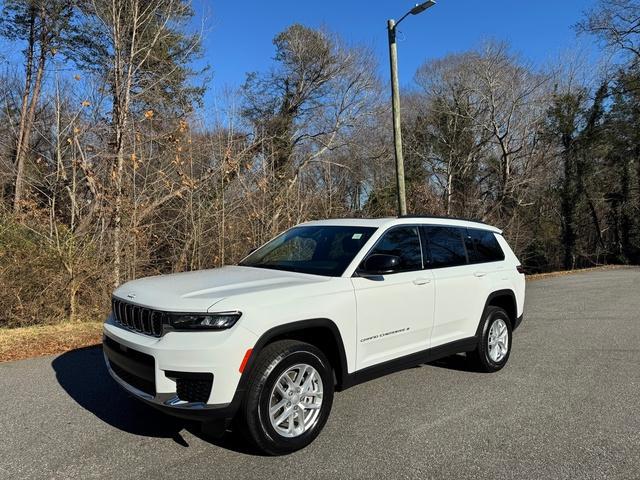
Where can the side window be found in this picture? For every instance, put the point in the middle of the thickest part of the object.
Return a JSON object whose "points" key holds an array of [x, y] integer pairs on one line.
{"points": [[403, 242], [483, 246], [446, 245]]}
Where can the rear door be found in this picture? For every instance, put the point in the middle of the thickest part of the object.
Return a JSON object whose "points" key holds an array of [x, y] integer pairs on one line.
{"points": [[487, 255], [461, 286], [394, 311]]}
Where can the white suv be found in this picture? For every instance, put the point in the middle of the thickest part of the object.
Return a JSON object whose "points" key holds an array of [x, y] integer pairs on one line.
{"points": [[322, 307]]}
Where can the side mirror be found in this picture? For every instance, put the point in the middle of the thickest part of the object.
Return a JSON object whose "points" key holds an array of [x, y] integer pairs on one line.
{"points": [[380, 264]]}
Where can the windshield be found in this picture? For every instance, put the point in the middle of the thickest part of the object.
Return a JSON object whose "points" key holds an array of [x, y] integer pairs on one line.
{"points": [[320, 250]]}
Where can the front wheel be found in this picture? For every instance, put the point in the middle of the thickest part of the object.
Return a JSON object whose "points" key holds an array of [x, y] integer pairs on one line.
{"points": [[288, 399], [494, 345]]}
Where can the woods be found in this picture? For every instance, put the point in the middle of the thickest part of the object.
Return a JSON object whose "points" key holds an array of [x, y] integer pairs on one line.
{"points": [[112, 168]]}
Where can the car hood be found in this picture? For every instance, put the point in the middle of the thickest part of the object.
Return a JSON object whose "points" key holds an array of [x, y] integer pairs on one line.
{"points": [[200, 290]]}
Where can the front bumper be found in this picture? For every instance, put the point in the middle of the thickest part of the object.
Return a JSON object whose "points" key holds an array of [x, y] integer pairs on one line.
{"points": [[171, 404], [147, 367]]}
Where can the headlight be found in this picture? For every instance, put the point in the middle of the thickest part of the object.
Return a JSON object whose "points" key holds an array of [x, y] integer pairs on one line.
{"points": [[204, 321]]}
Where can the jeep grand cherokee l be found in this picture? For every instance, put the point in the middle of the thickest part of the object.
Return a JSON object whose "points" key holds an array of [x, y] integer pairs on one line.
{"points": [[321, 307]]}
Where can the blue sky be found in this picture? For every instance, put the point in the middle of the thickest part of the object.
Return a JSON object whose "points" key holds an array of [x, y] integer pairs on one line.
{"points": [[238, 34]]}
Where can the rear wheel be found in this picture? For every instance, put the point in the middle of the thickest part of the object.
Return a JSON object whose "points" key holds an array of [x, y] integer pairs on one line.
{"points": [[494, 345], [288, 399]]}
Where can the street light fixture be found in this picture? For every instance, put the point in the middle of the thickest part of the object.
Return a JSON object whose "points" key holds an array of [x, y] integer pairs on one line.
{"points": [[421, 7], [395, 102]]}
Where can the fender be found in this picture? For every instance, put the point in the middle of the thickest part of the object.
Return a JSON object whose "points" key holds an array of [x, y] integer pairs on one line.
{"points": [[341, 371], [493, 295]]}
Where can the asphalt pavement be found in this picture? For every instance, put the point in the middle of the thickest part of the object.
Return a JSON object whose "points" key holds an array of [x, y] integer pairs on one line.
{"points": [[567, 405]]}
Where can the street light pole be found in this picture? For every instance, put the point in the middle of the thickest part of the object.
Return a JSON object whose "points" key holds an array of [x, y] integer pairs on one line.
{"points": [[395, 106], [395, 103]]}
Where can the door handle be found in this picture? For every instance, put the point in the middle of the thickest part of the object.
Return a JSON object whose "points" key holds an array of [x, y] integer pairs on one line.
{"points": [[480, 274], [421, 281]]}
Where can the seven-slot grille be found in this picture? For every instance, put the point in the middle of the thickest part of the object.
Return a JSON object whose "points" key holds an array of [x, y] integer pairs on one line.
{"points": [[136, 318]]}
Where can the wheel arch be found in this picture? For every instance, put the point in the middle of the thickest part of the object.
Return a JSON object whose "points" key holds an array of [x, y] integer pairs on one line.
{"points": [[505, 299], [323, 333]]}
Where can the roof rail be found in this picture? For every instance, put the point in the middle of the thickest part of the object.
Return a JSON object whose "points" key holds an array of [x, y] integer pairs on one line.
{"points": [[444, 217]]}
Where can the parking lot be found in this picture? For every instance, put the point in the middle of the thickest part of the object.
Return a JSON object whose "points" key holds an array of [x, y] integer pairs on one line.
{"points": [[566, 406]]}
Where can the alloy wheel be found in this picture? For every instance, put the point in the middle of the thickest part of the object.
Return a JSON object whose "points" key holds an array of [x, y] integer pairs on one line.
{"points": [[498, 340], [296, 400]]}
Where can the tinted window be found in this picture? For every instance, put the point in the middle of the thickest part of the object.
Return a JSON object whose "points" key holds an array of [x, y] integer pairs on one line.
{"points": [[403, 242], [321, 250], [483, 246], [446, 246]]}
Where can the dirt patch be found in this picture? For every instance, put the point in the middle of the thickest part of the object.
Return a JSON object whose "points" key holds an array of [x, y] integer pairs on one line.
{"points": [[27, 342]]}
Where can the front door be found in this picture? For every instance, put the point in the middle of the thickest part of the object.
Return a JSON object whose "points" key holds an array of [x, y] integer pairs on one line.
{"points": [[394, 311]]}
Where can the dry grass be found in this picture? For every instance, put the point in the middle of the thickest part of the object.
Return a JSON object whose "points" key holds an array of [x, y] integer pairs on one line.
{"points": [[27, 342], [561, 273]]}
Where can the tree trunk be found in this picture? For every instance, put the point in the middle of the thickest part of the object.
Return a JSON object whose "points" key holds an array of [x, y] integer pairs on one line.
{"points": [[73, 300], [505, 175], [122, 82], [625, 206], [28, 125], [449, 184], [19, 160], [596, 221], [568, 213], [117, 208], [449, 191]]}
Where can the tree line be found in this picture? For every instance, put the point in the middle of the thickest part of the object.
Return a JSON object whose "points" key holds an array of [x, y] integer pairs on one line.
{"points": [[112, 169]]}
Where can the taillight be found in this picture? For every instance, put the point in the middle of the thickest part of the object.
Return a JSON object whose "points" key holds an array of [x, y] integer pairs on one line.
{"points": [[520, 268]]}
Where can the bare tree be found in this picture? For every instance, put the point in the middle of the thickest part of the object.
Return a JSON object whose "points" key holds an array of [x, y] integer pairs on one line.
{"points": [[145, 53], [42, 25], [511, 97], [446, 133], [302, 110], [478, 127], [617, 23]]}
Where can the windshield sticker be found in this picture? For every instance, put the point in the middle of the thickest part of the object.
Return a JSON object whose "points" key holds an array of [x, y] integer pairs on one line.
{"points": [[356, 236]]}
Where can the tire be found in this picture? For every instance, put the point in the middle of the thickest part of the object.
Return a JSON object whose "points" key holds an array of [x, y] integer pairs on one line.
{"points": [[297, 367], [486, 357]]}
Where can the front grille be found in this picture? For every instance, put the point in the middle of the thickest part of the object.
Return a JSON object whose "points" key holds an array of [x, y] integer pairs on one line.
{"points": [[192, 387], [138, 319]]}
